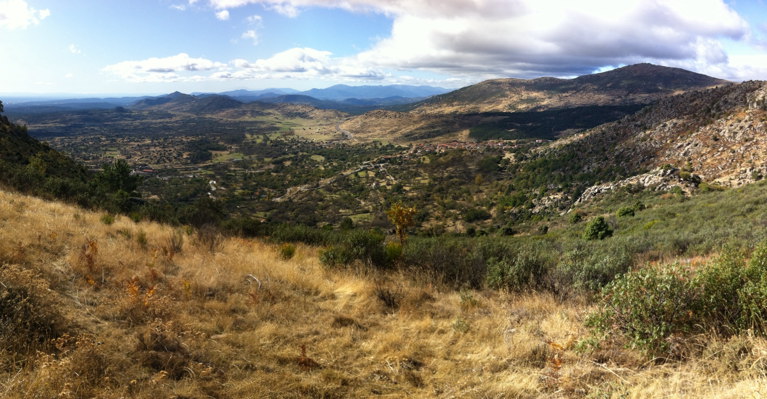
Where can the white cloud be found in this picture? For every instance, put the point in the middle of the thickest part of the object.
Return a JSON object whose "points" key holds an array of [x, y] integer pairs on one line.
{"points": [[470, 40], [301, 63], [17, 14], [74, 49], [535, 37], [222, 15], [251, 35], [556, 37], [179, 67]]}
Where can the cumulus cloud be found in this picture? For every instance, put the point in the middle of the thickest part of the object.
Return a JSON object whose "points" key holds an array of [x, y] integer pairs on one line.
{"points": [[535, 37], [222, 15], [296, 63], [251, 35], [179, 67], [17, 14], [555, 37], [471, 40], [74, 49]]}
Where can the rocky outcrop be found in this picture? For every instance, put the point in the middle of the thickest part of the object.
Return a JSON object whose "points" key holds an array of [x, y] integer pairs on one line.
{"points": [[659, 179]]}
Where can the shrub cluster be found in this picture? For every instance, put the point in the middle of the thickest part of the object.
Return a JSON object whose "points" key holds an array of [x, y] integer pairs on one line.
{"points": [[649, 305], [358, 245]]}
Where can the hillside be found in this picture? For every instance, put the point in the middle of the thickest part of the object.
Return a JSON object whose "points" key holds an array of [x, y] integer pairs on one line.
{"points": [[182, 114], [516, 108], [716, 136], [30, 166], [633, 84], [114, 309]]}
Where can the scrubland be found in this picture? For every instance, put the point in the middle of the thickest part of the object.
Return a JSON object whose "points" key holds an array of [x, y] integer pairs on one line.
{"points": [[95, 305]]}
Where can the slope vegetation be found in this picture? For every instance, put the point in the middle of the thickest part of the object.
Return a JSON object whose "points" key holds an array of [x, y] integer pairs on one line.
{"points": [[516, 108], [99, 307]]}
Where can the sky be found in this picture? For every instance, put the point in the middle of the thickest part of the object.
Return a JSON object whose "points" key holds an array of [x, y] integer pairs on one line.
{"points": [[125, 47]]}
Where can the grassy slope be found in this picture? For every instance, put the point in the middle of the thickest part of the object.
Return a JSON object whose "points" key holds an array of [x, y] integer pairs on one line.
{"points": [[141, 316]]}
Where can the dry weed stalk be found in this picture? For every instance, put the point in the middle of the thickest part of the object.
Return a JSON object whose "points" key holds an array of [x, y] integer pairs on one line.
{"points": [[305, 362], [87, 259]]}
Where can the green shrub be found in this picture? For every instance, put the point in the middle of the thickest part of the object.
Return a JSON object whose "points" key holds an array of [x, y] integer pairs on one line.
{"points": [[524, 270], [335, 256], [346, 224], [364, 246], [287, 251], [597, 229], [475, 215], [303, 234], [393, 251], [453, 262], [626, 211], [647, 306], [719, 284], [107, 219], [591, 268], [576, 217]]}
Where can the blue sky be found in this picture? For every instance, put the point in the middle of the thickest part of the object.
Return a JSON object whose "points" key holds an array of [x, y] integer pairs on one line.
{"points": [[111, 47]]}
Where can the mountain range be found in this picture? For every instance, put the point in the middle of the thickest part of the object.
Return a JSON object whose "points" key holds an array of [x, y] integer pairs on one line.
{"points": [[544, 107], [354, 99]]}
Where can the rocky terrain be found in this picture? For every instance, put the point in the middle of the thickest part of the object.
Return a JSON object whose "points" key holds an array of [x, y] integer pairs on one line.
{"points": [[717, 136], [490, 101]]}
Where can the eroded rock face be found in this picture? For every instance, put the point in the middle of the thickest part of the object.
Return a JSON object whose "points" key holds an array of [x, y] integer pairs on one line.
{"points": [[758, 99], [719, 135], [659, 179]]}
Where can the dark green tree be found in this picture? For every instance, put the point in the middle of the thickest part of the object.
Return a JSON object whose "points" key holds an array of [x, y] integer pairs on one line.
{"points": [[114, 187], [597, 229], [118, 176]]}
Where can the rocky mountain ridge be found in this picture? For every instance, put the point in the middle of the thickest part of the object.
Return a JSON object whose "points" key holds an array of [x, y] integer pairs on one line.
{"points": [[716, 137], [489, 104]]}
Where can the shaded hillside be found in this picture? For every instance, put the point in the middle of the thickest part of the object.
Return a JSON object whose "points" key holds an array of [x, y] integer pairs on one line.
{"points": [[179, 102], [181, 114], [634, 84], [345, 92], [718, 135], [30, 166], [486, 109]]}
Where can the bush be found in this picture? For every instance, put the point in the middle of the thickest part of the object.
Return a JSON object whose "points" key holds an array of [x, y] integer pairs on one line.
{"points": [[453, 262], [597, 229], [576, 217], [287, 251], [475, 215], [107, 219], [393, 251], [303, 234], [590, 269], [626, 211], [524, 270], [647, 306], [364, 246]]}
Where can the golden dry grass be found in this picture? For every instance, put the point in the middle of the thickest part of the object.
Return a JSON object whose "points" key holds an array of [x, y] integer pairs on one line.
{"points": [[152, 312]]}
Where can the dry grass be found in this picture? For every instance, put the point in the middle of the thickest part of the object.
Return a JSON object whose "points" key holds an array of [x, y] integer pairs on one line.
{"points": [[150, 311]]}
